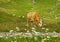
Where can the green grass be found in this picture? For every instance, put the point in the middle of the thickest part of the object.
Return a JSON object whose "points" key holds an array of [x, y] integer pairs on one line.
{"points": [[9, 22], [49, 11], [22, 7], [27, 39]]}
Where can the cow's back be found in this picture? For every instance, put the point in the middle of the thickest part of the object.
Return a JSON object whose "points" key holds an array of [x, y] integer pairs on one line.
{"points": [[34, 16], [31, 15]]}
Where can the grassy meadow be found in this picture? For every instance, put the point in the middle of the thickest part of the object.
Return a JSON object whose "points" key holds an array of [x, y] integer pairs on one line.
{"points": [[13, 17]]}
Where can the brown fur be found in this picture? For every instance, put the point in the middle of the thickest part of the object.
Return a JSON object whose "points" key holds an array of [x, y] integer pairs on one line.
{"points": [[34, 17]]}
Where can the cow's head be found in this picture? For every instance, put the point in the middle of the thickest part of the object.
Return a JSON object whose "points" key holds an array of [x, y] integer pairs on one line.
{"points": [[38, 20], [40, 23]]}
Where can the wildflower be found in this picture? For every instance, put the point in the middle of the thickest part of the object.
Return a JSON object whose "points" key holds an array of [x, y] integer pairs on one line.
{"points": [[55, 36], [17, 28], [56, 17], [48, 36], [6, 37], [10, 31], [43, 28], [1, 36], [37, 33], [28, 35], [22, 16], [33, 28], [47, 33], [47, 29], [42, 40], [45, 38], [11, 36], [14, 15], [27, 30], [35, 38], [33, 31]]}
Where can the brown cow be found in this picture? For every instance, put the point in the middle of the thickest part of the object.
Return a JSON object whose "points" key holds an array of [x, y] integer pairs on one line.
{"points": [[34, 17]]}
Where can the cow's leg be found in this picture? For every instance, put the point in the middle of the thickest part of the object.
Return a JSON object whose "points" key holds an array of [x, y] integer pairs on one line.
{"points": [[31, 23], [27, 23]]}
